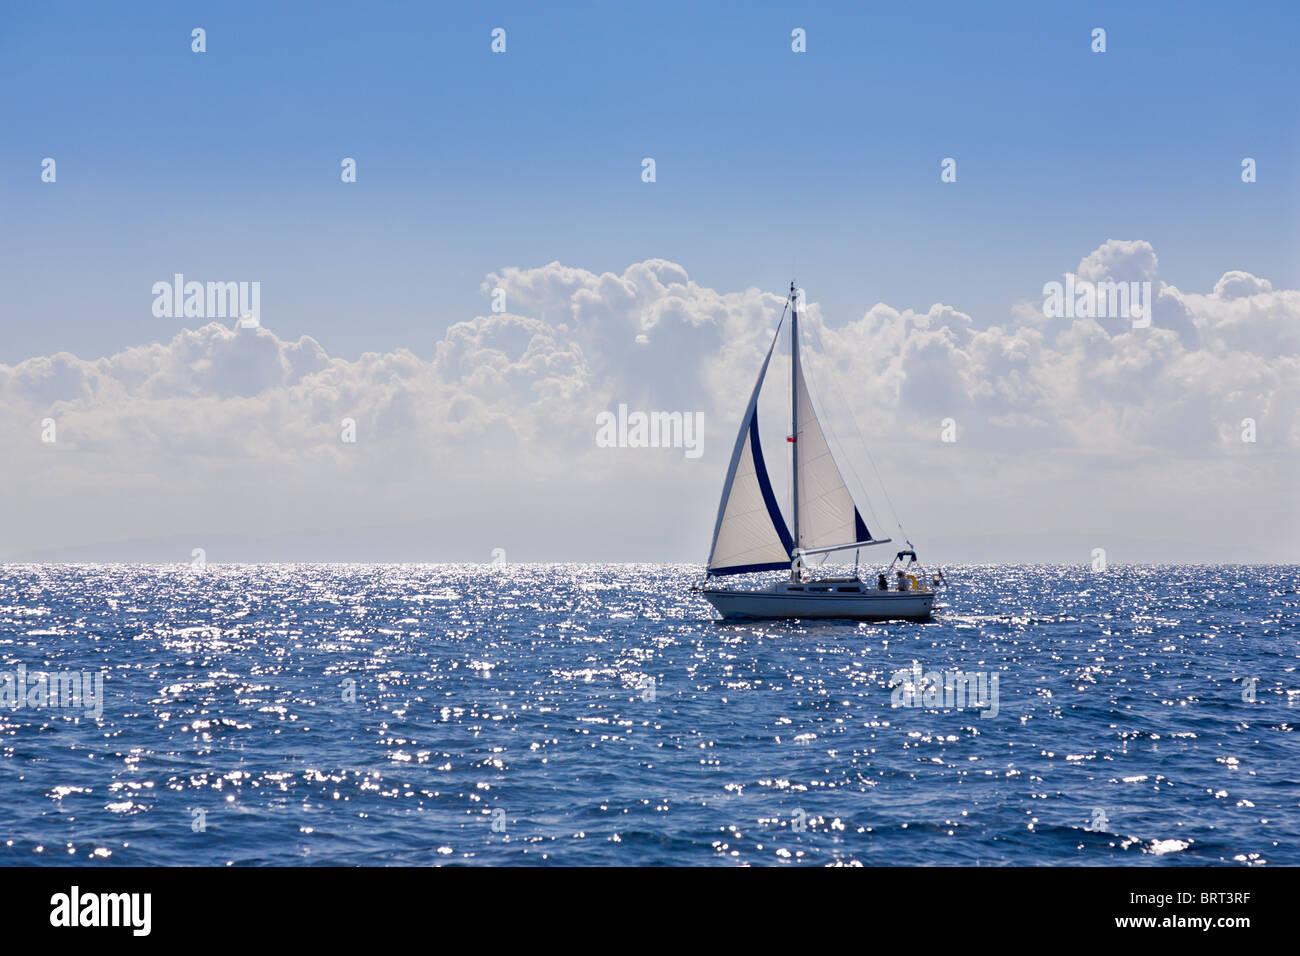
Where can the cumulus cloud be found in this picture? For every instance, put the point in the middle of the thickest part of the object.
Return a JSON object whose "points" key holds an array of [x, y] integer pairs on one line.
{"points": [[1237, 284], [236, 428], [1182, 385], [1124, 261]]}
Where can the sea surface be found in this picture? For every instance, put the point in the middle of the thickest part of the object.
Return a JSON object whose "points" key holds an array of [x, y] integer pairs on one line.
{"points": [[585, 714]]}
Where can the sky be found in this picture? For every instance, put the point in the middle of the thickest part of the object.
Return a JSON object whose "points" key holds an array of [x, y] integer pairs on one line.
{"points": [[523, 171]]}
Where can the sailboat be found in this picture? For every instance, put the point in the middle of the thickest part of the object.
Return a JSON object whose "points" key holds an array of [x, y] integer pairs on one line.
{"points": [[750, 535]]}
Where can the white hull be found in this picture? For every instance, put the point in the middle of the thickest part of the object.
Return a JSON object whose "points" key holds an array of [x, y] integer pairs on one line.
{"points": [[831, 601]]}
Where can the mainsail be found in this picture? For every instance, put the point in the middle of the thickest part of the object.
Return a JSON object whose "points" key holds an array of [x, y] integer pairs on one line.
{"points": [[750, 534], [827, 514]]}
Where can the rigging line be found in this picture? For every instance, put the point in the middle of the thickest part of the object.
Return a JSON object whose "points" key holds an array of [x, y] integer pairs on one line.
{"points": [[854, 419]]}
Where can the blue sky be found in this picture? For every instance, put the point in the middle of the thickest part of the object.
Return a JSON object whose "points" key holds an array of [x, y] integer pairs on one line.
{"points": [[476, 429], [225, 165]]}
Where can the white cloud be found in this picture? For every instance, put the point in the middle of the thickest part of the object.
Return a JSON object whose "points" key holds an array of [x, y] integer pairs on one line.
{"points": [[236, 429], [1237, 284], [1121, 260]]}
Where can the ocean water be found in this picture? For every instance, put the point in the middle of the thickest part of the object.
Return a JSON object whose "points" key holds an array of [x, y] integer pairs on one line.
{"points": [[566, 714]]}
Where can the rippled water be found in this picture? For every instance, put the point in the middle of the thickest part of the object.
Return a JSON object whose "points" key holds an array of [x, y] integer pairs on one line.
{"points": [[598, 715]]}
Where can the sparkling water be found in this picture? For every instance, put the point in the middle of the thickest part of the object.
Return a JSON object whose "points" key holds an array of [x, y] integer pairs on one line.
{"points": [[584, 714]]}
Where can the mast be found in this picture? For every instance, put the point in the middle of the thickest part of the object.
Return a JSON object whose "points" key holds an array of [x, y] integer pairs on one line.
{"points": [[794, 419]]}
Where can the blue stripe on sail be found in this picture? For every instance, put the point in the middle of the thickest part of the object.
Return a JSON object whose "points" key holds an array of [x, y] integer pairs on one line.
{"points": [[860, 527], [773, 509], [765, 485], [752, 568]]}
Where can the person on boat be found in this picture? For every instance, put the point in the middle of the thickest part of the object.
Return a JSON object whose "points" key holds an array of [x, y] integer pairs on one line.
{"points": [[902, 581], [881, 583]]}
